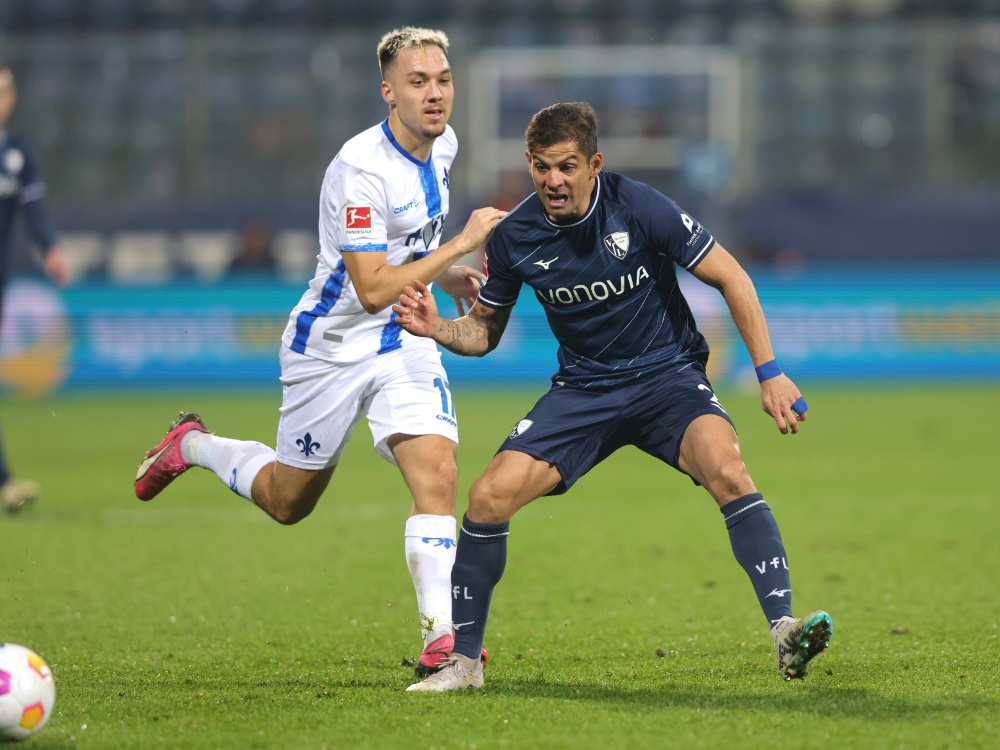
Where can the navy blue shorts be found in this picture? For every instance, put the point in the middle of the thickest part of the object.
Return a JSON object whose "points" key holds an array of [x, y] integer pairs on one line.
{"points": [[575, 430]]}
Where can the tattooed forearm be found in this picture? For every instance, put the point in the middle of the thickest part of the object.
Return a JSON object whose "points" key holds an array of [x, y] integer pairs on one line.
{"points": [[463, 337], [474, 335]]}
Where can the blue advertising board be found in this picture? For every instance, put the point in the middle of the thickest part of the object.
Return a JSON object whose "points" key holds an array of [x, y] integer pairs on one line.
{"points": [[825, 323]]}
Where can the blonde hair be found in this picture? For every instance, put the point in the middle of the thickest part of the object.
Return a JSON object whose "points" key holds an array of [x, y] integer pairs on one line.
{"points": [[409, 36]]}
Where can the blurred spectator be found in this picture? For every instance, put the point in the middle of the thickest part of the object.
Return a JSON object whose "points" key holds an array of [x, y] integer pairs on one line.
{"points": [[514, 188], [256, 246], [786, 260]]}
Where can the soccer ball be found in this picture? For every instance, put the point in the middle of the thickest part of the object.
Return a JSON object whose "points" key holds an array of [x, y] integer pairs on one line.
{"points": [[27, 692]]}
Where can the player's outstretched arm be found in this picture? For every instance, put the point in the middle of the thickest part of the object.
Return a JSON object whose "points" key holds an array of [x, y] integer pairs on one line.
{"points": [[462, 284], [472, 335], [783, 401], [378, 283], [779, 396]]}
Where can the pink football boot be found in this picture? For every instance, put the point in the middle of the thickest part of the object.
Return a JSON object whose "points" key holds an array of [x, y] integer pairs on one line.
{"points": [[437, 653], [164, 463]]}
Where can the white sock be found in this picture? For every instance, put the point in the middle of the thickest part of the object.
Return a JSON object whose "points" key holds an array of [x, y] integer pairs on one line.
{"points": [[430, 555], [235, 462], [777, 623]]}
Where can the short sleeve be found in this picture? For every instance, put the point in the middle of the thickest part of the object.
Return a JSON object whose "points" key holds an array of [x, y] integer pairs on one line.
{"points": [[675, 233], [354, 210], [502, 287]]}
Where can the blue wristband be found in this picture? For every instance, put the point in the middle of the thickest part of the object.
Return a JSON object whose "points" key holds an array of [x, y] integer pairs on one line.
{"points": [[767, 371], [800, 407]]}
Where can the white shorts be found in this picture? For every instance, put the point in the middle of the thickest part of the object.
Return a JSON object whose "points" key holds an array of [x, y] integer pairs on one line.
{"points": [[402, 392]]}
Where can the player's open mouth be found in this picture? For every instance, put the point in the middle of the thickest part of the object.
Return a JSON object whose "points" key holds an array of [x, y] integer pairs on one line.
{"points": [[557, 201], [434, 114]]}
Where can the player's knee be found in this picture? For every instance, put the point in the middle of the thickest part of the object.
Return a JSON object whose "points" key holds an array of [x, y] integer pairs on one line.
{"points": [[729, 480], [447, 475], [434, 489], [488, 503], [288, 515], [290, 510]]}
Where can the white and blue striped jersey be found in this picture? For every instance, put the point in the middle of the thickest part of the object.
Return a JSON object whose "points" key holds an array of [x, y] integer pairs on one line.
{"points": [[607, 281], [376, 197]]}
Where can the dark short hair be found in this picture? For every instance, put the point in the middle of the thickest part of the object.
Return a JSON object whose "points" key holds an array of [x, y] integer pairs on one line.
{"points": [[397, 40], [565, 122]]}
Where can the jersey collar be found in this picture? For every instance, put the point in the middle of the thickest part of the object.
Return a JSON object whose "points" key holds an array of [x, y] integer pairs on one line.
{"points": [[593, 204], [400, 149]]}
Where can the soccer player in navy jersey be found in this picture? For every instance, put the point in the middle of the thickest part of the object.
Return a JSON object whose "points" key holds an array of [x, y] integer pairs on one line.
{"points": [[21, 190], [601, 251]]}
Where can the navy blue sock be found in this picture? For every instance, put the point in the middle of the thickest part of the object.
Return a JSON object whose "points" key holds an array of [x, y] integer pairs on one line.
{"points": [[4, 474], [479, 562], [757, 545]]}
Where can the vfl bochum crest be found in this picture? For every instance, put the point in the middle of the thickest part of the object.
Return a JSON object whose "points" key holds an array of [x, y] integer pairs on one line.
{"points": [[617, 244], [520, 428]]}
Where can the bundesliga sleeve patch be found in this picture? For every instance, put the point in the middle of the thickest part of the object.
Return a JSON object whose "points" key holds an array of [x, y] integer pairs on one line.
{"points": [[357, 220]]}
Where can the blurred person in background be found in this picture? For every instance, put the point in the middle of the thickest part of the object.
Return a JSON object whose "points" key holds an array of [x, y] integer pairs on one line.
{"points": [[255, 251], [601, 252], [21, 190], [383, 204]]}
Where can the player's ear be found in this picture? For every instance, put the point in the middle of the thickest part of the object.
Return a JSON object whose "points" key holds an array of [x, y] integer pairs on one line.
{"points": [[387, 94], [596, 162], [527, 155]]}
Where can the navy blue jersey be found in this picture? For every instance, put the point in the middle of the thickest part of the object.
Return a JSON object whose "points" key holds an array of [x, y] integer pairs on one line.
{"points": [[21, 188], [607, 282]]}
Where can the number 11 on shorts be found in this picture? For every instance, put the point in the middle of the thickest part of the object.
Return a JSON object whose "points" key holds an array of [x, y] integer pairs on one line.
{"points": [[447, 405]]}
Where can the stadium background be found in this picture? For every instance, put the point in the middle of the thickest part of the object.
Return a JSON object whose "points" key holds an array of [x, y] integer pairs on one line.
{"points": [[847, 151]]}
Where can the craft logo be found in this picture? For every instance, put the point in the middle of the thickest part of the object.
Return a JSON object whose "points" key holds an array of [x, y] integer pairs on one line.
{"points": [[357, 220]]}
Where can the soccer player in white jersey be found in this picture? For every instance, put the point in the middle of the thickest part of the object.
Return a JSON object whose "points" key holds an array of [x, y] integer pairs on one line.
{"points": [[383, 202]]}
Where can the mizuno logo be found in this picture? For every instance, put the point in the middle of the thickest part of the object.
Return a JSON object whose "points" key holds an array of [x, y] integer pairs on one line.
{"points": [[546, 263], [714, 399], [780, 593]]}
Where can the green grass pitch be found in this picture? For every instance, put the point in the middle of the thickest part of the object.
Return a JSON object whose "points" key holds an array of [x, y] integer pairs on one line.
{"points": [[623, 620]]}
